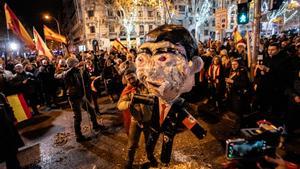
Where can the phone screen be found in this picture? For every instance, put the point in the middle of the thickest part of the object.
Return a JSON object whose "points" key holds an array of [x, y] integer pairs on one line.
{"points": [[241, 149]]}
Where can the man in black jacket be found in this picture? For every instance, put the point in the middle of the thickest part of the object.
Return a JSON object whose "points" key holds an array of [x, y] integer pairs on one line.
{"points": [[275, 80], [77, 84]]}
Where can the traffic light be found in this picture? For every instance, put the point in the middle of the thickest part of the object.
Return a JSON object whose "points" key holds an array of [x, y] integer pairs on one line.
{"points": [[242, 13]]}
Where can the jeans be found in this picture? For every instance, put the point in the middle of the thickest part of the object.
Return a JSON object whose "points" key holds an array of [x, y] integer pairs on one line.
{"points": [[76, 104]]}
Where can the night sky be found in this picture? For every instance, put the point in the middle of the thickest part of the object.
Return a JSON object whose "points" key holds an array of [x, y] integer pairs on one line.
{"points": [[30, 12]]}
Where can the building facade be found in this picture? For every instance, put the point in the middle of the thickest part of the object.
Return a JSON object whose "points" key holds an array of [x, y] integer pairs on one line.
{"points": [[88, 20]]}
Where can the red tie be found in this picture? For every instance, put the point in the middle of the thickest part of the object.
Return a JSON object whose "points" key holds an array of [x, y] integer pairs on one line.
{"points": [[162, 114]]}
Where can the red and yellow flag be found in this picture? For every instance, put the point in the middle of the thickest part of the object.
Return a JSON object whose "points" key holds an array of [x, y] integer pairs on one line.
{"points": [[237, 37], [41, 46], [118, 46], [14, 24], [21, 110], [51, 35]]}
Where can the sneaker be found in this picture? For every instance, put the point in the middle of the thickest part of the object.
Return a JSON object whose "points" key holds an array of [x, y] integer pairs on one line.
{"points": [[82, 139]]}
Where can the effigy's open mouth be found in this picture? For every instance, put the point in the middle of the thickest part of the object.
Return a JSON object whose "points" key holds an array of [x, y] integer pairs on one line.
{"points": [[154, 84]]}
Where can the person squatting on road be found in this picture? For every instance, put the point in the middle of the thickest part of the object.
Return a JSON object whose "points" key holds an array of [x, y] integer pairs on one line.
{"points": [[77, 82]]}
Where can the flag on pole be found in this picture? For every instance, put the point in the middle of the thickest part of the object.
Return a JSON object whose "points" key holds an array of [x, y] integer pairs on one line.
{"points": [[41, 46], [237, 37], [51, 35], [118, 46], [14, 24], [20, 108]]}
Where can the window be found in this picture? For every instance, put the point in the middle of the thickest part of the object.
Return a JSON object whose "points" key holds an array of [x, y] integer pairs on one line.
{"points": [[158, 15], [205, 32], [150, 27], [181, 8], [141, 29], [150, 13], [140, 14], [213, 23], [111, 28], [92, 29], [206, 23], [90, 13], [110, 13]]}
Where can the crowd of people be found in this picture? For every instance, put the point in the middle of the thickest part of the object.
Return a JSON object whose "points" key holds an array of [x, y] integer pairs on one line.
{"points": [[268, 89]]}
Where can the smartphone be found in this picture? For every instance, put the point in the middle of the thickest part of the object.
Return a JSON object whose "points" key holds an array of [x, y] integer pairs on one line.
{"points": [[245, 149]]}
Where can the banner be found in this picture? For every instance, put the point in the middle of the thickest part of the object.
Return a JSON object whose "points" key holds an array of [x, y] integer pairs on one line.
{"points": [[21, 110], [14, 24], [41, 46], [51, 35]]}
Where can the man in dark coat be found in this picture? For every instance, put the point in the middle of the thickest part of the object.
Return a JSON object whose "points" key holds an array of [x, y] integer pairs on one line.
{"points": [[77, 84], [46, 76], [10, 139], [275, 80]]}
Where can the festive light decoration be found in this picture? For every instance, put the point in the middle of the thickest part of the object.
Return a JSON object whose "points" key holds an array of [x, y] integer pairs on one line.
{"points": [[200, 12], [126, 13], [231, 14], [284, 14]]}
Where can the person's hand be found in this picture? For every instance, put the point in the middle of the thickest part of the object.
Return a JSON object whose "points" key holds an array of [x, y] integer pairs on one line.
{"points": [[297, 99], [263, 68], [25, 81], [80, 64], [255, 87], [228, 80]]}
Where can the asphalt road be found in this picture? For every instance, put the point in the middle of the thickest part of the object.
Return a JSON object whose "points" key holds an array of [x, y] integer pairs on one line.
{"points": [[50, 142]]}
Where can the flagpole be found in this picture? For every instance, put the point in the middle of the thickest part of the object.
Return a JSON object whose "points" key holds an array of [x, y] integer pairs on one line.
{"points": [[6, 45]]}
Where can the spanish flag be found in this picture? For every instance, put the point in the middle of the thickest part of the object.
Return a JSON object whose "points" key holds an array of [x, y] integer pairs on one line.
{"points": [[118, 46], [41, 46], [21, 110], [51, 35], [14, 24], [237, 37]]}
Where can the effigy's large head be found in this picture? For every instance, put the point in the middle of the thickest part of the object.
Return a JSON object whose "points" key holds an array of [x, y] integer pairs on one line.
{"points": [[167, 61]]}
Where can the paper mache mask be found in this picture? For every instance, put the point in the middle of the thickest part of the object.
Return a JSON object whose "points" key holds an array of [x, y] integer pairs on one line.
{"points": [[167, 61]]}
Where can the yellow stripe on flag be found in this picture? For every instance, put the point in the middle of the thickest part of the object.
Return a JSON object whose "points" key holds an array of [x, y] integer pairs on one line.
{"points": [[17, 107]]}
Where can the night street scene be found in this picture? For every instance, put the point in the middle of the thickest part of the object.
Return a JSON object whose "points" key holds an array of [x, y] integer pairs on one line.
{"points": [[150, 84]]}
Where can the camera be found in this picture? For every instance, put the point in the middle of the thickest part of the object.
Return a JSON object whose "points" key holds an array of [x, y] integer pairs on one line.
{"points": [[256, 143], [143, 99]]}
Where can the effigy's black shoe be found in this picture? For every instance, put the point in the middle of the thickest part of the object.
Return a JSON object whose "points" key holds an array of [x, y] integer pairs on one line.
{"points": [[81, 139]]}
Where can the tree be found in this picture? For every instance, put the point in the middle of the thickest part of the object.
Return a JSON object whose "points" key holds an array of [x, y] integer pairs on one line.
{"points": [[199, 12], [126, 13]]}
